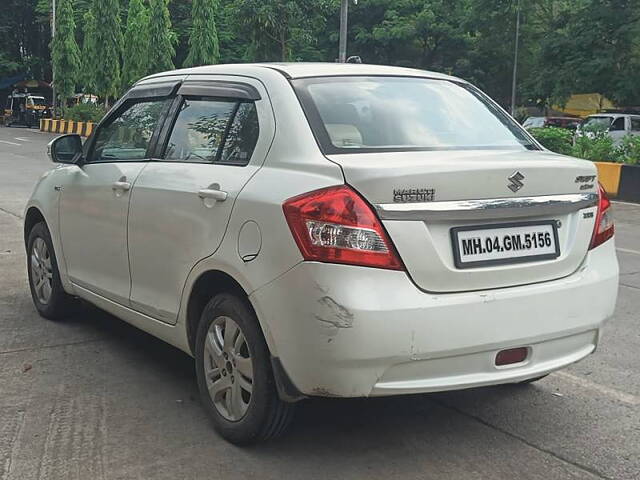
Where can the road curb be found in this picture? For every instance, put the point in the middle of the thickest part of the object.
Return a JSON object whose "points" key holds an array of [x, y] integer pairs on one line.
{"points": [[83, 129], [620, 181]]}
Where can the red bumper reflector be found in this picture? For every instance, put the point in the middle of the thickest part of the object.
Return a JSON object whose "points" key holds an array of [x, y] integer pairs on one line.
{"points": [[512, 355]]}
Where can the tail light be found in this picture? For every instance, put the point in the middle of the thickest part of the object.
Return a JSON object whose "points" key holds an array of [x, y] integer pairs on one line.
{"points": [[336, 225], [604, 228]]}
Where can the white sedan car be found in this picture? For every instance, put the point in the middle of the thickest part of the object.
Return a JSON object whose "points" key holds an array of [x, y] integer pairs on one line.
{"points": [[326, 230]]}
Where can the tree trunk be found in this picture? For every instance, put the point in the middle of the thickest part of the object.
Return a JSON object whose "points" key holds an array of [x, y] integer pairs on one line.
{"points": [[283, 46]]}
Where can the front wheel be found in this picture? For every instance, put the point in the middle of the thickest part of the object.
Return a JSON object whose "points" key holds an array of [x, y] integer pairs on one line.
{"points": [[48, 295], [234, 373]]}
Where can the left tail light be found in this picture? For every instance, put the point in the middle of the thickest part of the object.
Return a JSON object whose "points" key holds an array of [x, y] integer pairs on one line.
{"points": [[604, 227], [336, 225]]}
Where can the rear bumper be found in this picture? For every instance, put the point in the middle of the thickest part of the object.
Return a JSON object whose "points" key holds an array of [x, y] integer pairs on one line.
{"points": [[350, 331]]}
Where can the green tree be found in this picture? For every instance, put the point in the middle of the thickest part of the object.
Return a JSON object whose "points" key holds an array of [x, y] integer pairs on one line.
{"points": [[136, 42], [108, 46], [420, 33], [65, 54], [593, 48], [203, 41], [274, 26], [90, 66], [161, 38]]}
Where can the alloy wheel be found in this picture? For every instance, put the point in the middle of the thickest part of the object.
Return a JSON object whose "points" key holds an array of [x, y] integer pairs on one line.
{"points": [[41, 271], [228, 368]]}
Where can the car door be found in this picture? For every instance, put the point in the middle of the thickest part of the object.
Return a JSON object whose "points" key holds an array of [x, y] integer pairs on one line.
{"points": [[635, 126], [94, 200], [618, 130], [218, 138]]}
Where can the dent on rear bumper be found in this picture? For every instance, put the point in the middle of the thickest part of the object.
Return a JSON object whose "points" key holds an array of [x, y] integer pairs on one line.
{"points": [[352, 331]]}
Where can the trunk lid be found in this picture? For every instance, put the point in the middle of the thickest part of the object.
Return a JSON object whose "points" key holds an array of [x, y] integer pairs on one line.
{"points": [[422, 197]]}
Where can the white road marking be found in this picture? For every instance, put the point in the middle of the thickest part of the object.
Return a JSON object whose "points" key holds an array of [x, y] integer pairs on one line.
{"points": [[10, 143], [628, 250], [625, 203], [22, 139], [623, 397]]}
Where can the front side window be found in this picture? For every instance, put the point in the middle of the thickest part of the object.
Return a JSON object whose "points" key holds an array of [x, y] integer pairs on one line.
{"points": [[635, 124], [617, 125], [208, 130], [127, 136], [367, 114]]}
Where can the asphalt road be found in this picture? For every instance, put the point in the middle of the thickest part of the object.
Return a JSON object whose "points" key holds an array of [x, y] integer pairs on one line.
{"points": [[94, 398]]}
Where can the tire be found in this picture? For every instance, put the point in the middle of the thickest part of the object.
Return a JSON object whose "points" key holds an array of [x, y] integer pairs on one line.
{"points": [[532, 380], [49, 298], [240, 417]]}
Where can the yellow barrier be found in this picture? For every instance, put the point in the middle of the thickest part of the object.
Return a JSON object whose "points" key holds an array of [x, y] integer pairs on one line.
{"points": [[66, 126], [609, 176]]}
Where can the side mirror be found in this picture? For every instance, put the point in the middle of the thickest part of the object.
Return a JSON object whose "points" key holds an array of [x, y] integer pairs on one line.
{"points": [[65, 149]]}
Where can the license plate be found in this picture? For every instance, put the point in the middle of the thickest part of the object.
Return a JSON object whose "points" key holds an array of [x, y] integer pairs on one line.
{"points": [[485, 245]]}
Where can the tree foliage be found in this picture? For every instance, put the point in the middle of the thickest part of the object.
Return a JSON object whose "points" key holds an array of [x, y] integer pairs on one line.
{"points": [[274, 26], [161, 37], [203, 40], [65, 52], [566, 46], [136, 42], [590, 46], [90, 61], [107, 42]]}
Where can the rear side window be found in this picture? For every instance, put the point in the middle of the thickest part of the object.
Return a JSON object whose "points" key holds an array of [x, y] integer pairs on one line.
{"points": [[635, 124], [127, 135], [355, 114], [209, 130]]}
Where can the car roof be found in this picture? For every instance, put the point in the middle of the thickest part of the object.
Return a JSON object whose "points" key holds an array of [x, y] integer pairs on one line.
{"points": [[563, 118], [311, 69], [318, 69], [612, 114]]}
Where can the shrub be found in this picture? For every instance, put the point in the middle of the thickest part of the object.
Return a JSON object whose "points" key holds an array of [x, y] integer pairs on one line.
{"points": [[629, 150], [85, 112], [595, 145], [557, 140]]}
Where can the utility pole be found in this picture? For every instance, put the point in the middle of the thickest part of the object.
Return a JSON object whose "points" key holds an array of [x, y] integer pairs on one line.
{"points": [[53, 73], [344, 13], [515, 62]]}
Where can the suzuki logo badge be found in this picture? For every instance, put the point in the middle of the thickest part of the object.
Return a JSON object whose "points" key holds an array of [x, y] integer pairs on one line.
{"points": [[516, 182]]}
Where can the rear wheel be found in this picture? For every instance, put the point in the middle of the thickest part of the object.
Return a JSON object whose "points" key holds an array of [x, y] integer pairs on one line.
{"points": [[48, 295], [234, 373]]}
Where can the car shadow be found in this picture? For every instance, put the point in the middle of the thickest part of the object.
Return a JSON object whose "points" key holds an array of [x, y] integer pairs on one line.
{"points": [[358, 418]]}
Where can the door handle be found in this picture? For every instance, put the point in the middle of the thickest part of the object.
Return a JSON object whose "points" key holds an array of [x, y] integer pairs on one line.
{"points": [[121, 185], [213, 193]]}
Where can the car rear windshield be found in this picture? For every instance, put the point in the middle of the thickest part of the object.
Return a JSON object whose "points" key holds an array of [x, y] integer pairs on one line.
{"points": [[372, 114]]}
